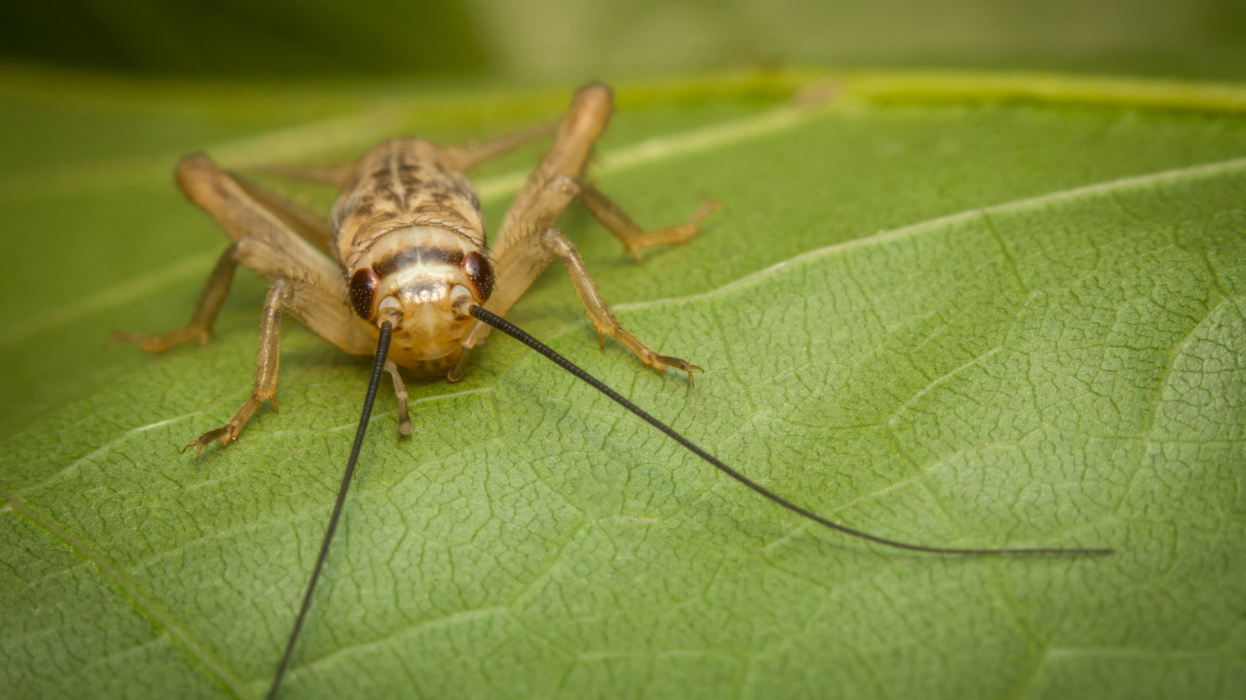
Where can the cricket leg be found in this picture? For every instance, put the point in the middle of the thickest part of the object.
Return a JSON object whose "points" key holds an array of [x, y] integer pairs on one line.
{"points": [[298, 219], [519, 253], [464, 158], [266, 361], [305, 283], [318, 303], [400, 390], [550, 187], [632, 236], [268, 243], [605, 322], [204, 317], [336, 177], [243, 208]]}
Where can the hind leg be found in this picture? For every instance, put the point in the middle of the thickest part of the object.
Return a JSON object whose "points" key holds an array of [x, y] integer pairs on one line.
{"points": [[204, 317]]}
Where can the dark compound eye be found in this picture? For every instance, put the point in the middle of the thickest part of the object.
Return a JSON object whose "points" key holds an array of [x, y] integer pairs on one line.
{"points": [[363, 286], [480, 272]]}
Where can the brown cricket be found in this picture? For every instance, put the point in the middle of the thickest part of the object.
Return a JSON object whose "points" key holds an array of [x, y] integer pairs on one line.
{"points": [[411, 278]]}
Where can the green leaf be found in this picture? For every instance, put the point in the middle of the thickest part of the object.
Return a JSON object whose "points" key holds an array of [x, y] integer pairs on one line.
{"points": [[959, 323]]}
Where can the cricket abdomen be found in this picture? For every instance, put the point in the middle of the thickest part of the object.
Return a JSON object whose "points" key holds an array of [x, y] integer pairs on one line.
{"points": [[403, 183]]}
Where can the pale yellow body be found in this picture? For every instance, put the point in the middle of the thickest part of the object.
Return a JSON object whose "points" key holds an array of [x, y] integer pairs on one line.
{"points": [[406, 243]]}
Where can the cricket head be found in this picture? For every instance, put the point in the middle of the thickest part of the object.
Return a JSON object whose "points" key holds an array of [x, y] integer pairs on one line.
{"points": [[425, 286]]}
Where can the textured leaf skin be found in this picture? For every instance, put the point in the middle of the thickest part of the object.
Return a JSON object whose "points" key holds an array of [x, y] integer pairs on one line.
{"points": [[1061, 365]]}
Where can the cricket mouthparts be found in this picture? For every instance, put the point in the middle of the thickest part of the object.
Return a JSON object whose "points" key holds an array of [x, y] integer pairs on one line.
{"points": [[391, 314]]}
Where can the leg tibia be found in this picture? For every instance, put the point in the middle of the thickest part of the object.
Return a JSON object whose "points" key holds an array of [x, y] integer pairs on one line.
{"points": [[266, 361], [602, 318]]}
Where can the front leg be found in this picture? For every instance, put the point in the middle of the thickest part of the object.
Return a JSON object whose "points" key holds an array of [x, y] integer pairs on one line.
{"points": [[557, 244], [528, 241], [280, 294]]}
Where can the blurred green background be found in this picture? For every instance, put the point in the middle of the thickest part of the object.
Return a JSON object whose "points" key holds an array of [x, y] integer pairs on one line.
{"points": [[570, 40]]}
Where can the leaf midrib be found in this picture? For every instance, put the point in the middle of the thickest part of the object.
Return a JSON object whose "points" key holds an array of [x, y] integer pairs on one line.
{"points": [[1191, 173]]}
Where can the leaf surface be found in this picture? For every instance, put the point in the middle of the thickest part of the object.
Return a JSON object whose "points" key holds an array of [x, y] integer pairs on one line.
{"points": [[964, 324]]}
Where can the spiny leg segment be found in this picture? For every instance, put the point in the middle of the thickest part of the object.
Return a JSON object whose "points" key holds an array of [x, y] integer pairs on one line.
{"points": [[605, 322], [528, 240], [400, 390], [267, 361], [273, 240]]}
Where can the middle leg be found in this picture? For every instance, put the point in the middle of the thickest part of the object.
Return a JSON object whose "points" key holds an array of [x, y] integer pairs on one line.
{"points": [[280, 294]]}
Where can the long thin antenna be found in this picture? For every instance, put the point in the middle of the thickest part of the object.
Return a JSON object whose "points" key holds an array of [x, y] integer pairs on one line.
{"points": [[378, 368], [518, 334]]}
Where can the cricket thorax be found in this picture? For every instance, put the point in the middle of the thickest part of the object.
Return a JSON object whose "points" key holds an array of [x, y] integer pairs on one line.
{"points": [[402, 183], [409, 235]]}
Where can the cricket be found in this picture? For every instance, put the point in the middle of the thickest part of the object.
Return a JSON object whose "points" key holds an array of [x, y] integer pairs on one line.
{"points": [[403, 271]]}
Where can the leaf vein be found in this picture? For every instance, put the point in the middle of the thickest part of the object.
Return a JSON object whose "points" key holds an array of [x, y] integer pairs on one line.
{"points": [[143, 603]]}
